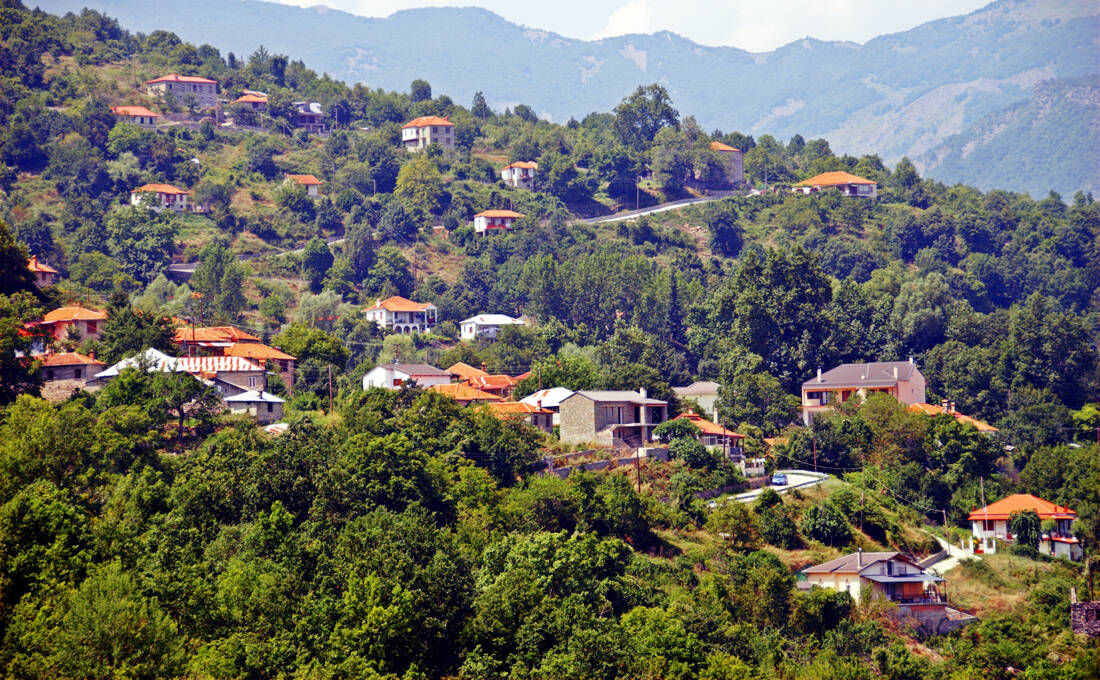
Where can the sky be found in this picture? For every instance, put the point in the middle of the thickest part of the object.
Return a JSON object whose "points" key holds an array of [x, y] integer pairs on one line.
{"points": [[754, 25]]}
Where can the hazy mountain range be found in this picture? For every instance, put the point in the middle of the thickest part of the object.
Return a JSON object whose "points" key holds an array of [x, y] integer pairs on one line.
{"points": [[1006, 96]]}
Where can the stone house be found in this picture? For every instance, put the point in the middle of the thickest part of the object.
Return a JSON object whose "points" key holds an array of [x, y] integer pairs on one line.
{"points": [[610, 418]]}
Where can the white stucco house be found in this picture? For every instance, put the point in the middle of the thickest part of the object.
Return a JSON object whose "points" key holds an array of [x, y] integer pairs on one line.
{"points": [[486, 326], [392, 376]]}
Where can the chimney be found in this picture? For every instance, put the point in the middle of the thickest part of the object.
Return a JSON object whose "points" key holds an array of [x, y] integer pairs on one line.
{"points": [[945, 405], [91, 355], [895, 372], [642, 391], [952, 407], [819, 378], [859, 559], [910, 358]]}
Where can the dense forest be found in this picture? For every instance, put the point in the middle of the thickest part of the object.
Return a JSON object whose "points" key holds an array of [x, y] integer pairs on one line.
{"points": [[398, 534]]}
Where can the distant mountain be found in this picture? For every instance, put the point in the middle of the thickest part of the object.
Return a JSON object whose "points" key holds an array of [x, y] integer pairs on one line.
{"points": [[907, 93]]}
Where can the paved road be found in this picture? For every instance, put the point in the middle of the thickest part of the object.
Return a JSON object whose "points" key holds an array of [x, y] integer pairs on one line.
{"points": [[671, 205], [955, 553], [795, 479]]}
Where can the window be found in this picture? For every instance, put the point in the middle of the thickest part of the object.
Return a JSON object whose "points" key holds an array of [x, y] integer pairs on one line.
{"points": [[253, 380], [78, 373], [284, 366], [49, 374], [92, 327], [269, 407]]}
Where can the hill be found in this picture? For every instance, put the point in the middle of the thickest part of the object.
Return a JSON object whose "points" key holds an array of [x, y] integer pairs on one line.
{"points": [[896, 95]]}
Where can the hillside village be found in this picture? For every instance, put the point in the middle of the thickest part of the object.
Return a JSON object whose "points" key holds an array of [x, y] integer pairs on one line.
{"points": [[336, 381]]}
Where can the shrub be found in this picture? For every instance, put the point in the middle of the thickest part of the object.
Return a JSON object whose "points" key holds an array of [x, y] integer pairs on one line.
{"points": [[826, 524]]}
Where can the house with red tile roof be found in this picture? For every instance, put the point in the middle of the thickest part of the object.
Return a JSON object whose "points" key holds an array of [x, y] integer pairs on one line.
{"points": [[182, 89], [499, 384], [402, 315], [733, 160], [420, 133], [534, 416], [948, 407], [994, 522], [68, 366], [138, 115], [465, 372], [489, 220], [520, 174], [44, 274], [311, 183], [257, 101], [272, 358], [713, 435], [218, 338], [464, 394], [160, 197], [84, 323], [844, 182]]}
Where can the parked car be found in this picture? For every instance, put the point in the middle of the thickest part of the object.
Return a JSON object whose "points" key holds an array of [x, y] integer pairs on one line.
{"points": [[779, 479]]}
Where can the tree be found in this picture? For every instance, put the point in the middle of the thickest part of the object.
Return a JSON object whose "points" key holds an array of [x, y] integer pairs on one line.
{"points": [[420, 184], [128, 331], [479, 108], [316, 261], [396, 224], [640, 116], [390, 273], [825, 523], [359, 247], [689, 450], [17, 374], [111, 630], [735, 523], [185, 396], [14, 275], [141, 240], [218, 278], [420, 91], [1026, 527]]}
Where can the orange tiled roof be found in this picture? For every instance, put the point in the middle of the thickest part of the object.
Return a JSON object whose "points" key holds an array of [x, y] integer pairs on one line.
{"points": [[515, 407], [133, 111], [255, 350], [396, 303], [832, 179], [159, 189], [719, 146], [250, 99], [466, 371], [500, 213], [491, 382], [74, 314], [707, 427], [934, 410], [1004, 508], [305, 180], [176, 78], [463, 392], [528, 165], [428, 121], [212, 334], [35, 266], [69, 359]]}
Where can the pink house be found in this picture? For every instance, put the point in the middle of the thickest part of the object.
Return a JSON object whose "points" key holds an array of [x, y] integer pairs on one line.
{"points": [[899, 379]]}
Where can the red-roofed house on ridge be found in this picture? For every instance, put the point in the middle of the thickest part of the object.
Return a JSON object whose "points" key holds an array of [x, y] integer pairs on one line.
{"points": [[733, 160], [160, 197], [899, 379], [44, 274], [402, 315], [86, 323], [257, 101], [520, 174], [204, 90], [488, 220], [138, 115], [311, 183], [420, 133], [844, 182], [994, 520]]}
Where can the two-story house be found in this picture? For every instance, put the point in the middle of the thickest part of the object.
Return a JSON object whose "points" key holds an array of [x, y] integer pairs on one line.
{"points": [[714, 436], [257, 101], [733, 160], [311, 116], [899, 379], [889, 575], [994, 522], [138, 115], [402, 315], [44, 274], [77, 322], [549, 399], [485, 326], [183, 88], [610, 417], [846, 183], [420, 133], [490, 220], [392, 376], [160, 197], [703, 392], [520, 174]]}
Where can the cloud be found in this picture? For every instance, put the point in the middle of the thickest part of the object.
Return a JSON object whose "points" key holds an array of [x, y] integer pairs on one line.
{"points": [[633, 17]]}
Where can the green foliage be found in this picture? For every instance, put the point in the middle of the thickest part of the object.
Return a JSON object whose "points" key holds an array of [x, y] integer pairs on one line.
{"points": [[825, 523], [1025, 527]]}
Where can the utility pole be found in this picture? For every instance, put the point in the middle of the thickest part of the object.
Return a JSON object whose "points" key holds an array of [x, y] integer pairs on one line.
{"points": [[330, 389], [637, 193], [638, 469], [813, 441], [862, 488]]}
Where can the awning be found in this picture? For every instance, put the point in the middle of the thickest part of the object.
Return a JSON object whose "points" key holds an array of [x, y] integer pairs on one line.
{"points": [[908, 578]]}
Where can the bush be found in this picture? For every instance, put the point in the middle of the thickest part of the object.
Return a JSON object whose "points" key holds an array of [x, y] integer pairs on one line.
{"points": [[778, 529], [826, 524], [690, 451]]}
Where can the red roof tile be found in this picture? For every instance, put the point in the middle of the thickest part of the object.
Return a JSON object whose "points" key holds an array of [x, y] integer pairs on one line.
{"points": [[68, 359], [35, 266], [133, 111], [1004, 508], [396, 303], [304, 180], [176, 78], [428, 121], [832, 179], [74, 314], [159, 189], [500, 213], [707, 427]]}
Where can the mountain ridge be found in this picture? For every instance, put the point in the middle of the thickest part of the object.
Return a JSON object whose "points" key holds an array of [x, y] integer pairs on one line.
{"points": [[864, 98]]}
